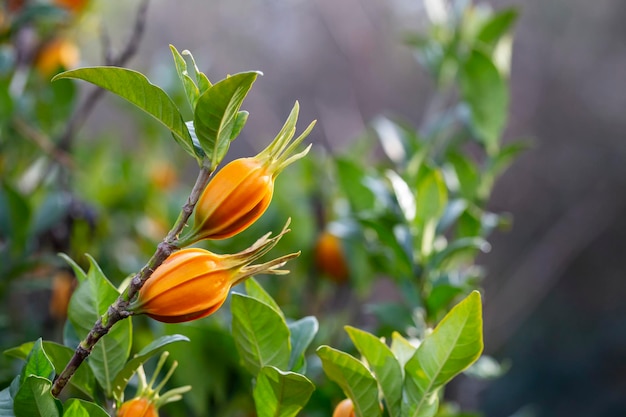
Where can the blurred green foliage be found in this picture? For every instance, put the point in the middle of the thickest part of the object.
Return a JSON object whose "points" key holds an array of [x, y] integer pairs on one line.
{"points": [[408, 204]]}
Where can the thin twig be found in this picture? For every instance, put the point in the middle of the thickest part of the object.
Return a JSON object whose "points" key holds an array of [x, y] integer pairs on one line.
{"points": [[119, 309], [79, 117], [44, 142]]}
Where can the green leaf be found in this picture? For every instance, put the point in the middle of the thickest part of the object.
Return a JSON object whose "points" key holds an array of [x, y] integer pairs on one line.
{"points": [[78, 271], [37, 363], [90, 300], [281, 394], [351, 177], [137, 89], [402, 349], [261, 334], [59, 355], [191, 90], [302, 333], [155, 347], [384, 364], [496, 27], [34, 399], [255, 290], [466, 173], [240, 121], [486, 94], [453, 346], [79, 408], [432, 196], [15, 217], [216, 115], [356, 381]]}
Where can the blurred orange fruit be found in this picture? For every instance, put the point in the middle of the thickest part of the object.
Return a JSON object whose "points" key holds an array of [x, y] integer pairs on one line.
{"points": [[58, 54], [330, 258], [344, 409]]}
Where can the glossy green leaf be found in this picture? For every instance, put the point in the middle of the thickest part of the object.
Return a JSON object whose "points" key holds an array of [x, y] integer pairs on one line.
{"points": [[255, 290], [155, 347], [137, 89], [78, 271], [497, 26], [452, 347], [462, 246], [384, 364], [467, 175], [261, 334], [79, 408], [34, 399], [59, 355], [486, 94], [240, 121], [216, 115], [90, 300], [302, 333], [281, 394], [356, 381], [37, 363], [189, 85]]}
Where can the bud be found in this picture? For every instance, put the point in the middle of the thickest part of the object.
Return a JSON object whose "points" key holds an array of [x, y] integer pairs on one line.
{"points": [[329, 257], [344, 409], [193, 283], [148, 399], [138, 407], [242, 190]]}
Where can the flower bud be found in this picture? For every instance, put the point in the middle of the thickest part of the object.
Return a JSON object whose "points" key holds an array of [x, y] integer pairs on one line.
{"points": [[344, 409], [329, 257], [242, 190], [193, 283], [138, 407]]}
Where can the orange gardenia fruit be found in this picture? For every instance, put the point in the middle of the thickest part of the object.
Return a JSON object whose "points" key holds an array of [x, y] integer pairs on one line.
{"points": [[58, 54], [344, 409], [242, 190], [138, 407], [330, 258]]}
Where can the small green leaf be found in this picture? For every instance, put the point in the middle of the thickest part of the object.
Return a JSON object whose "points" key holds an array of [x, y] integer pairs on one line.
{"points": [[261, 334], [78, 271], [384, 365], [79, 408], [191, 90], [302, 333], [240, 121], [37, 363], [281, 394], [90, 300], [485, 92], [216, 114], [155, 347], [34, 399], [356, 381], [466, 173], [496, 27], [432, 196], [452, 347], [59, 355], [402, 349], [137, 89]]}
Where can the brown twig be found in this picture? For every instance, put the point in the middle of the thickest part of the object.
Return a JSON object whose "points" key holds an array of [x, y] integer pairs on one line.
{"points": [[119, 309]]}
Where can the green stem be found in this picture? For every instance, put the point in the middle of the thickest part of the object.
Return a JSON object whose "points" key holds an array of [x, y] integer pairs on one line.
{"points": [[119, 309]]}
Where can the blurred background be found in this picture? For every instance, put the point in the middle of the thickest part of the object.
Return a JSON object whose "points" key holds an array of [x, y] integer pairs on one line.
{"points": [[555, 286]]}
